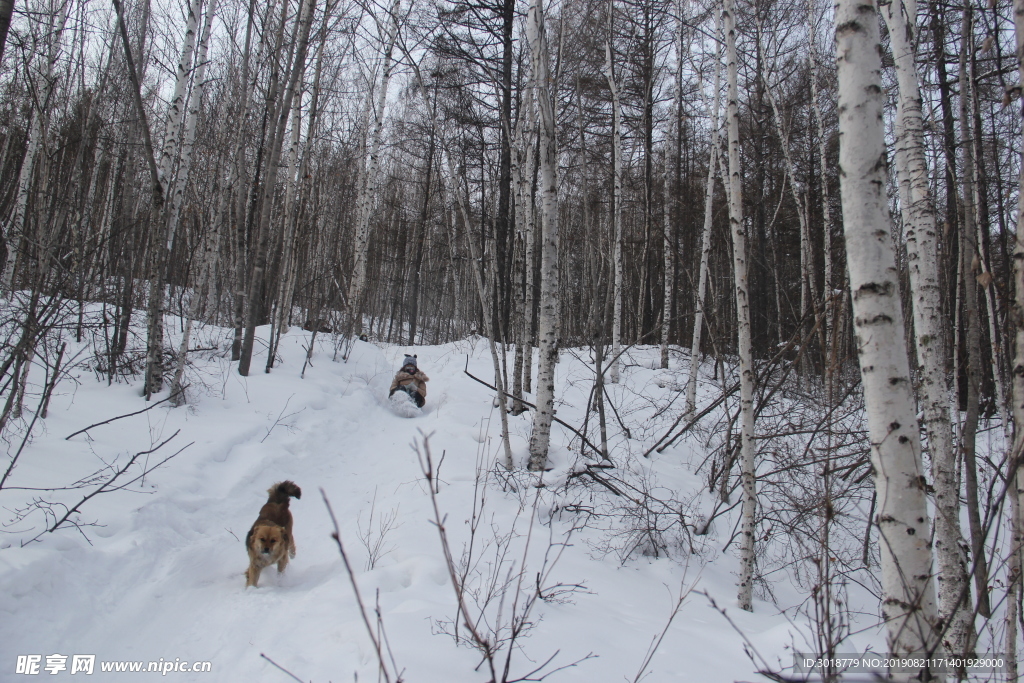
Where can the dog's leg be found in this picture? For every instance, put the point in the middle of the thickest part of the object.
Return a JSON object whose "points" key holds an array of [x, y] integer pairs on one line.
{"points": [[252, 576], [282, 564], [291, 547]]}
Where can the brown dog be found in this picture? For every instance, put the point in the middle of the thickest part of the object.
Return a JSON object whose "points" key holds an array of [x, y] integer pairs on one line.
{"points": [[270, 539]]}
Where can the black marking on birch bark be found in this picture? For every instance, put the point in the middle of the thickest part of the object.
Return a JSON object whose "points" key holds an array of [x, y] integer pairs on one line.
{"points": [[880, 319], [877, 288]]}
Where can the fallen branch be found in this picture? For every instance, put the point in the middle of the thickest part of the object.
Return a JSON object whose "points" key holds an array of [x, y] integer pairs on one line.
{"points": [[528, 404], [120, 417], [106, 487], [603, 482], [660, 447]]}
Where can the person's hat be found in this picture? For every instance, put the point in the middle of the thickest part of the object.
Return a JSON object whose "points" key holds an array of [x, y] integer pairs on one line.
{"points": [[410, 360]]}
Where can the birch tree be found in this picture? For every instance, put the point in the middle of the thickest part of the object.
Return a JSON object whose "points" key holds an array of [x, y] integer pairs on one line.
{"points": [[908, 603], [177, 194], [922, 259], [369, 178], [609, 70], [1014, 476], [162, 236], [548, 322], [748, 465], [705, 239]]}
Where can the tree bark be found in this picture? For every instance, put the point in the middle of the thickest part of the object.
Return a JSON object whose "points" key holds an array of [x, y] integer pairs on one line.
{"points": [[609, 71], [705, 241], [929, 324], [6, 10], [748, 476], [548, 324], [1014, 474], [968, 267], [908, 602]]}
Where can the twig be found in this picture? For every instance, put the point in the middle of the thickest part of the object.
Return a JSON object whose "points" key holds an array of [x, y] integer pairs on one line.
{"points": [[105, 488], [278, 420], [281, 668], [750, 649], [603, 482], [48, 390], [336, 535], [527, 403], [656, 641], [120, 417], [487, 648]]}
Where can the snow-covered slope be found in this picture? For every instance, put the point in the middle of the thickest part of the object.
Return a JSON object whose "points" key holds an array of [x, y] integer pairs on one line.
{"points": [[159, 576]]}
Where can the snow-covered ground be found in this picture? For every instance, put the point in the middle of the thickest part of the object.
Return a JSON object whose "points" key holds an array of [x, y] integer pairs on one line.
{"points": [[154, 571]]}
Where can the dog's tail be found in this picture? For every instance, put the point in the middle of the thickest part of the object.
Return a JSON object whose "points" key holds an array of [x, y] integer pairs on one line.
{"points": [[280, 492]]}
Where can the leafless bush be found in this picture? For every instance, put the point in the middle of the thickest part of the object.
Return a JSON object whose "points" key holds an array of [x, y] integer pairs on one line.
{"points": [[496, 592], [637, 515], [374, 538], [116, 475]]}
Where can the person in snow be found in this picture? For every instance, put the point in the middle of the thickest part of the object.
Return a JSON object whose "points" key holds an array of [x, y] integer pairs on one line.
{"points": [[412, 381]]}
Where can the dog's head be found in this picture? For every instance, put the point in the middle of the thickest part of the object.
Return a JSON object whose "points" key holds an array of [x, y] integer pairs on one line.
{"points": [[267, 539]]}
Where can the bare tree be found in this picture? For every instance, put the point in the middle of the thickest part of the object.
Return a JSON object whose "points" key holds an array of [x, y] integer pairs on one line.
{"points": [[705, 239], [908, 603], [922, 259], [609, 70], [548, 323], [748, 449]]}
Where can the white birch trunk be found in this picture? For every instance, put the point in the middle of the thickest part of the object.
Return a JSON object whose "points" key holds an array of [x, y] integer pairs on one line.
{"points": [[908, 602], [176, 191], [177, 197], [160, 244], [522, 178], [739, 249], [666, 297], [530, 201], [705, 240], [176, 107], [365, 202], [1017, 373], [922, 257], [548, 322], [616, 207], [830, 298], [1013, 579]]}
